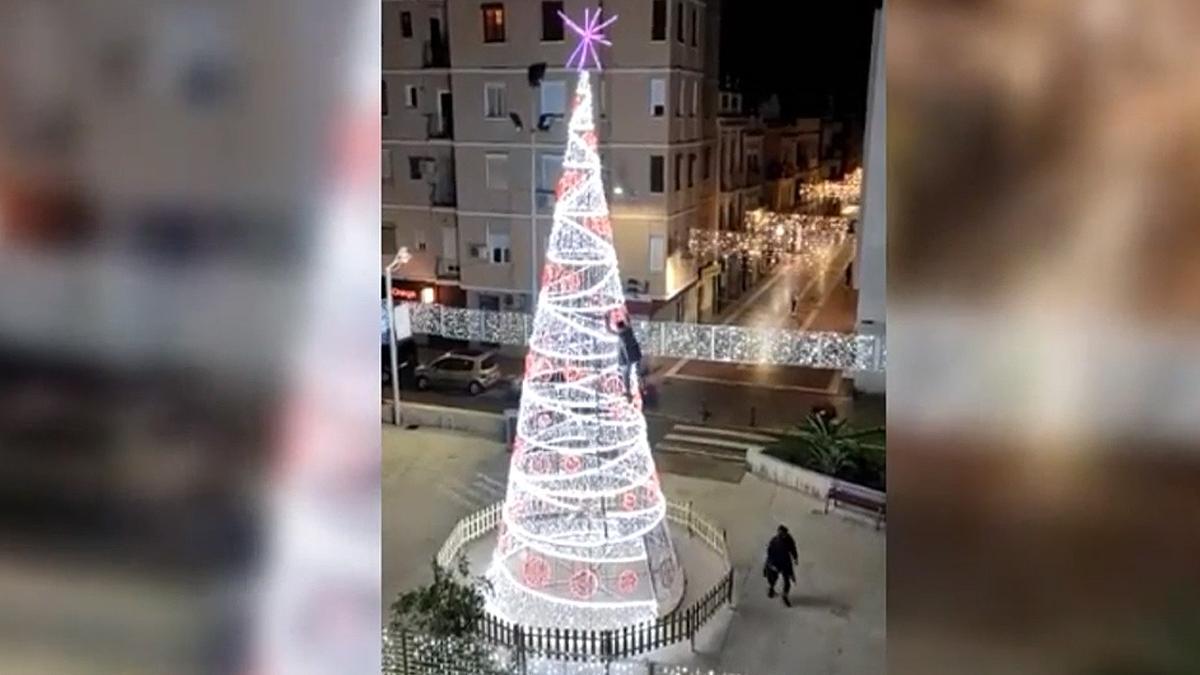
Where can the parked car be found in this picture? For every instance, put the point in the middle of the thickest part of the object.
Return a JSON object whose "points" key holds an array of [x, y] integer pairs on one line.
{"points": [[470, 369]]}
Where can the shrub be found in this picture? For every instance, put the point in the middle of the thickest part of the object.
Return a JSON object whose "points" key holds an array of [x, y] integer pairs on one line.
{"points": [[831, 447]]}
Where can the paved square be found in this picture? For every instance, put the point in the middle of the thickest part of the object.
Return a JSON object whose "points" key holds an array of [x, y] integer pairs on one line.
{"points": [[432, 478]]}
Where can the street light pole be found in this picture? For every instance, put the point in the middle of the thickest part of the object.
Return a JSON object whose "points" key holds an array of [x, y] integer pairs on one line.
{"points": [[402, 257], [533, 226]]}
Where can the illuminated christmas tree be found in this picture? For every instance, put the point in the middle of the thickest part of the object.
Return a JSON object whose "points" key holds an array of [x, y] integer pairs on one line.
{"points": [[584, 539]]}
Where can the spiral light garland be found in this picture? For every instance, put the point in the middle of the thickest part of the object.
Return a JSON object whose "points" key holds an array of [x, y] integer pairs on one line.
{"points": [[583, 542]]}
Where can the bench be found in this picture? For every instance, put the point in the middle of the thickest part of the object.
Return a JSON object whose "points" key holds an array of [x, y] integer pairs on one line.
{"points": [[844, 494]]}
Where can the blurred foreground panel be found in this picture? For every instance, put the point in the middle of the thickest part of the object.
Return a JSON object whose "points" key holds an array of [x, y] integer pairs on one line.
{"points": [[1044, 315], [185, 191]]}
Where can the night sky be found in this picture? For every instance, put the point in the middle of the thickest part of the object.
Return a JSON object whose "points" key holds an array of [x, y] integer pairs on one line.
{"points": [[802, 50]]}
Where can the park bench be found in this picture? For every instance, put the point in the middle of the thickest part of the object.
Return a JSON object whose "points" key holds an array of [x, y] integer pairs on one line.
{"points": [[844, 494]]}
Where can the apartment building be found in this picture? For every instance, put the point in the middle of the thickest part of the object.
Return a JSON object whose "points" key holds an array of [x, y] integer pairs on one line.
{"points": [[791, 154], [419, 189], [468, 187], [738, 146]]}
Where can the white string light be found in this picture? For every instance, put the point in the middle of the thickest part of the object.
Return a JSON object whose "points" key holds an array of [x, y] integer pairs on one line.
{"points": [[812, 237], [584, 540], [847, 191]]}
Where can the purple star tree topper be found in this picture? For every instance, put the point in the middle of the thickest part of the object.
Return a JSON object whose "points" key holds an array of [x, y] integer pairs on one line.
{"points": [[591, 33]]}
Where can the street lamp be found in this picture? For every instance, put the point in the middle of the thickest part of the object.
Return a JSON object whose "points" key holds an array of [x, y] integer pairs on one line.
{"points": [[543, 122], [401, 258]]}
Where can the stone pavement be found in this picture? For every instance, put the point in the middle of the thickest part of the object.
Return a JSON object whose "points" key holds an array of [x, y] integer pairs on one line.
{"points": [[837, 622]]}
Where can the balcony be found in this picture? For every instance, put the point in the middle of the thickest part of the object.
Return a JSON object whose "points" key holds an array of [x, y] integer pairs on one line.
{"points": [[438, 126], [435, 54], [443, 194], [447, 268]]}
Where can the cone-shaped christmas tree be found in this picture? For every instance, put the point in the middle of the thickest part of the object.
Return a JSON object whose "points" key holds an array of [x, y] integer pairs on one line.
{"points": [[584, 539]]}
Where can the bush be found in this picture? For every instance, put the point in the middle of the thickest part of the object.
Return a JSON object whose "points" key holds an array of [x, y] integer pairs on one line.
{"points": [[830, 447], [447, 613]]}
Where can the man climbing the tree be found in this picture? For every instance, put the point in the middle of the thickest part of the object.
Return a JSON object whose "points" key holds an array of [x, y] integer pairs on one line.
{"points": [[630, 354]]}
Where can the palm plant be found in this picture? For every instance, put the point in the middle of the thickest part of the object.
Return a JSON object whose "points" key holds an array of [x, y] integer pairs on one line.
{"points": [[832, 447]]}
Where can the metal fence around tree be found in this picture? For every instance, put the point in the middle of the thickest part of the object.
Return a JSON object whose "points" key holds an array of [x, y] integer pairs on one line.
{"points": [[511, 647], [407, 653]]}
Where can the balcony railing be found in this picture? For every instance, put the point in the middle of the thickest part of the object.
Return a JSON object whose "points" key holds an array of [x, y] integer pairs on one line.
{"points": [[435, 54], [447, 268], [438, 126], [444, 195]]}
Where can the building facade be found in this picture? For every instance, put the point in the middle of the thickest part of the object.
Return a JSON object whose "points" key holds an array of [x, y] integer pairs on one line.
{"points": [[469, 188], [870, 271]]}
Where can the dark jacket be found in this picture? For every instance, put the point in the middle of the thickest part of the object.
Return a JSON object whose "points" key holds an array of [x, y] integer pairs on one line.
{"points": [[781, 553], [631, 352]]}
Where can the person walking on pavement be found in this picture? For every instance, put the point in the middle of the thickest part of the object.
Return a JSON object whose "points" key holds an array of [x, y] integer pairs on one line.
{"points": [[781, 556], [630, 354]]}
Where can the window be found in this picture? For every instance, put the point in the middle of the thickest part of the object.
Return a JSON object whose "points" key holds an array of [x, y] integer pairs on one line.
{"points": [[695, 98], [410, 95], [658, 253], [493, 22], [452, 363], [494, 106], [552, 23], [658, 97], [554, 97], [450, 243], [695, 23], [499, 245], [658, 20], [414, 168], [496, 166], [657, 167], [385, 97], [419, 241], [551, 168], [679, 22], [704, 163], [387, 166], [679, 105], [388, 238], [691, 169], [406, 24], [678, 169]]}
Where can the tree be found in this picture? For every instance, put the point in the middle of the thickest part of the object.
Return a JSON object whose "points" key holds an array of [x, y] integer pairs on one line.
{"points": [[583, 541], [442, 620], [450, 607]]}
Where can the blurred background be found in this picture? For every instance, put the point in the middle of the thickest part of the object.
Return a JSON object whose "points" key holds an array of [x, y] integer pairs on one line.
{"points": [[1044, 311], [188, 458]]}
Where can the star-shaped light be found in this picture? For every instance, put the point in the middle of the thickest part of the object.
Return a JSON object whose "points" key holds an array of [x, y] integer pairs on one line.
{"points": [[590, 33]]}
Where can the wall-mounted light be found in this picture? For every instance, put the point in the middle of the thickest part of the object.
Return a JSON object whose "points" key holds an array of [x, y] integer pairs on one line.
{"points": [[618, 190], [427, 295]]}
